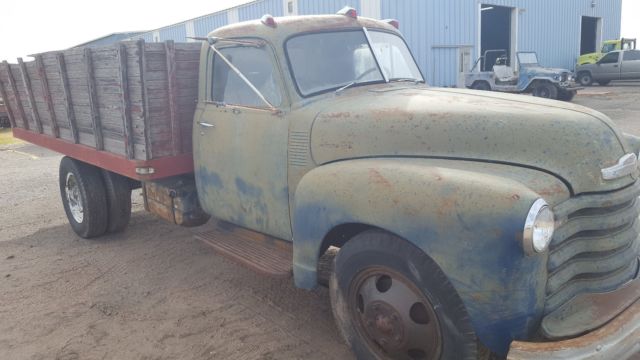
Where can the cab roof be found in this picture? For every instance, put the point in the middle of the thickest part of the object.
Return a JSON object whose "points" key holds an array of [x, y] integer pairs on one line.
{"points": [[291, 25]]}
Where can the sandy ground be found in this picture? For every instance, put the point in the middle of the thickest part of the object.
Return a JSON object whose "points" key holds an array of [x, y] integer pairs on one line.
{"points": [[154, 292]]}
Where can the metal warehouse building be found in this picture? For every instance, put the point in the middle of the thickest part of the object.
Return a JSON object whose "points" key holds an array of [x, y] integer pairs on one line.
{"points": [[447, 36]]}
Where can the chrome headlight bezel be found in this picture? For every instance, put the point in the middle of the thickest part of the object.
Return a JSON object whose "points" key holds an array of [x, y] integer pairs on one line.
{"points": [[538, 228]]}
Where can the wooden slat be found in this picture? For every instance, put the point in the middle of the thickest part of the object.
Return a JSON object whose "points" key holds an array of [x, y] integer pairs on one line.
{"points": [[126, 103], [145, 104], [176, 131], [3, 95], [47, 95], [71, 116], [93, 100], [14, 89], [32, 101]]}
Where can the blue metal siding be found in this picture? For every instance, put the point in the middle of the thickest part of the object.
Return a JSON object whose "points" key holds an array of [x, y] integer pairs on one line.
{"points": [[429, 24], [549, 27], [206, 24], [176, 32], [255, 10], [147, 37], [315, 7]]}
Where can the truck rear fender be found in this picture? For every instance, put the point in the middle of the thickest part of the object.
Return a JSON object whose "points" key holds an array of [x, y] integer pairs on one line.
{"points": [[469, 223]]}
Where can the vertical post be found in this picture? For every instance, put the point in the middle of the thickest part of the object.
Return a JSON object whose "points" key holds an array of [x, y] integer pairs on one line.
{"points": [[142, 60], [47, 95], [14, 89], [32, 102], [176, 133], [3, 95], [71, 115], [126, 104], [93, 100]]}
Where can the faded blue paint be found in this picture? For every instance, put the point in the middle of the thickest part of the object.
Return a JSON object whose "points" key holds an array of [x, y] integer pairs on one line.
{"points": [[423, 201], [248, 189]]}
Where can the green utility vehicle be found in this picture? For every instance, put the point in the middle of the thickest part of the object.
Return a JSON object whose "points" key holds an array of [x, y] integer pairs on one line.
{"points": [[607, 47], [463, 223]]}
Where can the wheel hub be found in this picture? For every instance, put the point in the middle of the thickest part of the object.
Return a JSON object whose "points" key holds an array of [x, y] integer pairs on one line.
{"points": [[384, 325], [74, 198], [394, 316]]}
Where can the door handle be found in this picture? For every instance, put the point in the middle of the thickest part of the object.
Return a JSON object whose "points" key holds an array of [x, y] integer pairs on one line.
{"points": [[206, 124]]}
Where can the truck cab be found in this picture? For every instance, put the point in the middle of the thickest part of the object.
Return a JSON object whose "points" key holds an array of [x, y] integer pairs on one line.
{"points": [[445, 204], [447, 223]]}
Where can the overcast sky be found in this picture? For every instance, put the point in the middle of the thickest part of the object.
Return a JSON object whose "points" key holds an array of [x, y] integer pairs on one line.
{"points": [[33, 26]]}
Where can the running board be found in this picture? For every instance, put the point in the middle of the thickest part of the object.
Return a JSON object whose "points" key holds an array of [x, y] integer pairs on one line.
{"points": [[259, 252]]}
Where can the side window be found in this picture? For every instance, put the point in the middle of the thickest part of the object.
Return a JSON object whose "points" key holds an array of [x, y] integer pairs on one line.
{"points": [[610, 58], [256, 65], [631, 55]]}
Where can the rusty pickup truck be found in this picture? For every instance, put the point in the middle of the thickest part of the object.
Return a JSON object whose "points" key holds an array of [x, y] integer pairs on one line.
{"points": [[464, 224]]}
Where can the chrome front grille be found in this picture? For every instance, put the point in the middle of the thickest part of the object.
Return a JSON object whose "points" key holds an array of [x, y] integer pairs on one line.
{"points": [[596, 246]]}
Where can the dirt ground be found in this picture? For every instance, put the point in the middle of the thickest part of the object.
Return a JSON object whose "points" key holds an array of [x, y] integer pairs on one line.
{"points": [[154, 292]]}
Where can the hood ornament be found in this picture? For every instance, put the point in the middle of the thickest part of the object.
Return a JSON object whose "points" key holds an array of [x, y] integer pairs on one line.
{"points": [[625, 166]]}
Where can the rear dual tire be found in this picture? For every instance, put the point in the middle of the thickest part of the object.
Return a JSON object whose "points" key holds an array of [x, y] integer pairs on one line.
{"points": [[95, 201]]}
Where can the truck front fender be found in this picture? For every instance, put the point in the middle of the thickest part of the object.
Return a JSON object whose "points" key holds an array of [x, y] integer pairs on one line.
{"points": [[468, 217]]}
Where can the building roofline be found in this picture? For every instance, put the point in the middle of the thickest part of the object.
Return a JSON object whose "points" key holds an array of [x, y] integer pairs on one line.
{"points": [[136, 33]]}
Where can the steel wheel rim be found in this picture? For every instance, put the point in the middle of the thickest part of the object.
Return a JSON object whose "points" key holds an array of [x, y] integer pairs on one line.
{"points": [[393, 316], [74, 198]]}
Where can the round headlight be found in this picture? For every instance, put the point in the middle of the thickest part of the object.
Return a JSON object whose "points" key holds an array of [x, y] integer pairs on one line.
{"points": [[538, 228]]}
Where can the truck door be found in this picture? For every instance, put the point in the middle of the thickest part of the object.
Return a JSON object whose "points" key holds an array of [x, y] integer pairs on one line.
{"points": [[608, 68], [631, 65], [240, 145]]}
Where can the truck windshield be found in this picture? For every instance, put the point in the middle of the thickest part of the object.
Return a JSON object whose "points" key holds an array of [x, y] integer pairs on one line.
{"points": [[326, 61], [529, 58], [607, 48]]}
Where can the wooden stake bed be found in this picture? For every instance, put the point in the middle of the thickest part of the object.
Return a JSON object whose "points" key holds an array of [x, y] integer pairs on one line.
{"points": [[127, 108]]}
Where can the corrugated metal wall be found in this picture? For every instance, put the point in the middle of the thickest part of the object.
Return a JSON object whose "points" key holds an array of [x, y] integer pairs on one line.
{"points": [[434, 28], [312, 7], [206, 24], [257, 9]]}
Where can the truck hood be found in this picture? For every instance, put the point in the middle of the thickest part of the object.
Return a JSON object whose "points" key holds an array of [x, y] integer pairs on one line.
{"points": [[569, 141], [544, 71]]}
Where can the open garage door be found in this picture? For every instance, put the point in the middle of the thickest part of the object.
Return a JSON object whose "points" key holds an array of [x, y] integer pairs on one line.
{"points": [[590, 38], [498, 31]]}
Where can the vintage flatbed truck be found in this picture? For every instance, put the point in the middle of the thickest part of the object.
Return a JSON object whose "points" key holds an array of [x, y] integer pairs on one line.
{"points": [[468, 224]]}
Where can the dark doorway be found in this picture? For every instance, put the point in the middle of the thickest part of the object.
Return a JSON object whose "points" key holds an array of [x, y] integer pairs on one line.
{"points": [[589, 39], [495, 32]]}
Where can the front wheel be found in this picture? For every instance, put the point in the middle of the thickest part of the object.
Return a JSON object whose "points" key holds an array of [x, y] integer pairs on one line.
{"points": [[481, 85], [565, 95], [84, 197], [585, 79], [391, 301], [546, 90]]}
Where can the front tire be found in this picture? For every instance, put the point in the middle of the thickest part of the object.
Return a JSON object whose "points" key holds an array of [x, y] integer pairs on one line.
{"points": [[391, 301], [84, 197], [481, 86], [585, 79], [546, 90], [565, 95]]}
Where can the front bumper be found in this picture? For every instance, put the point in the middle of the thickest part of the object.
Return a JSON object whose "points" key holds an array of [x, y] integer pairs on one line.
{"points": [[619, 339]]}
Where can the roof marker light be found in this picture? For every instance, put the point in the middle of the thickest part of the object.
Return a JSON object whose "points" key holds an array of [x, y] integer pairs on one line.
{"points": [[393, 22], [348, 11], [268, 20]]}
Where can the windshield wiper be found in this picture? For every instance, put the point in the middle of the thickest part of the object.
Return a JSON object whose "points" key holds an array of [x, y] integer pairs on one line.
{"points": [[338, 91]]}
